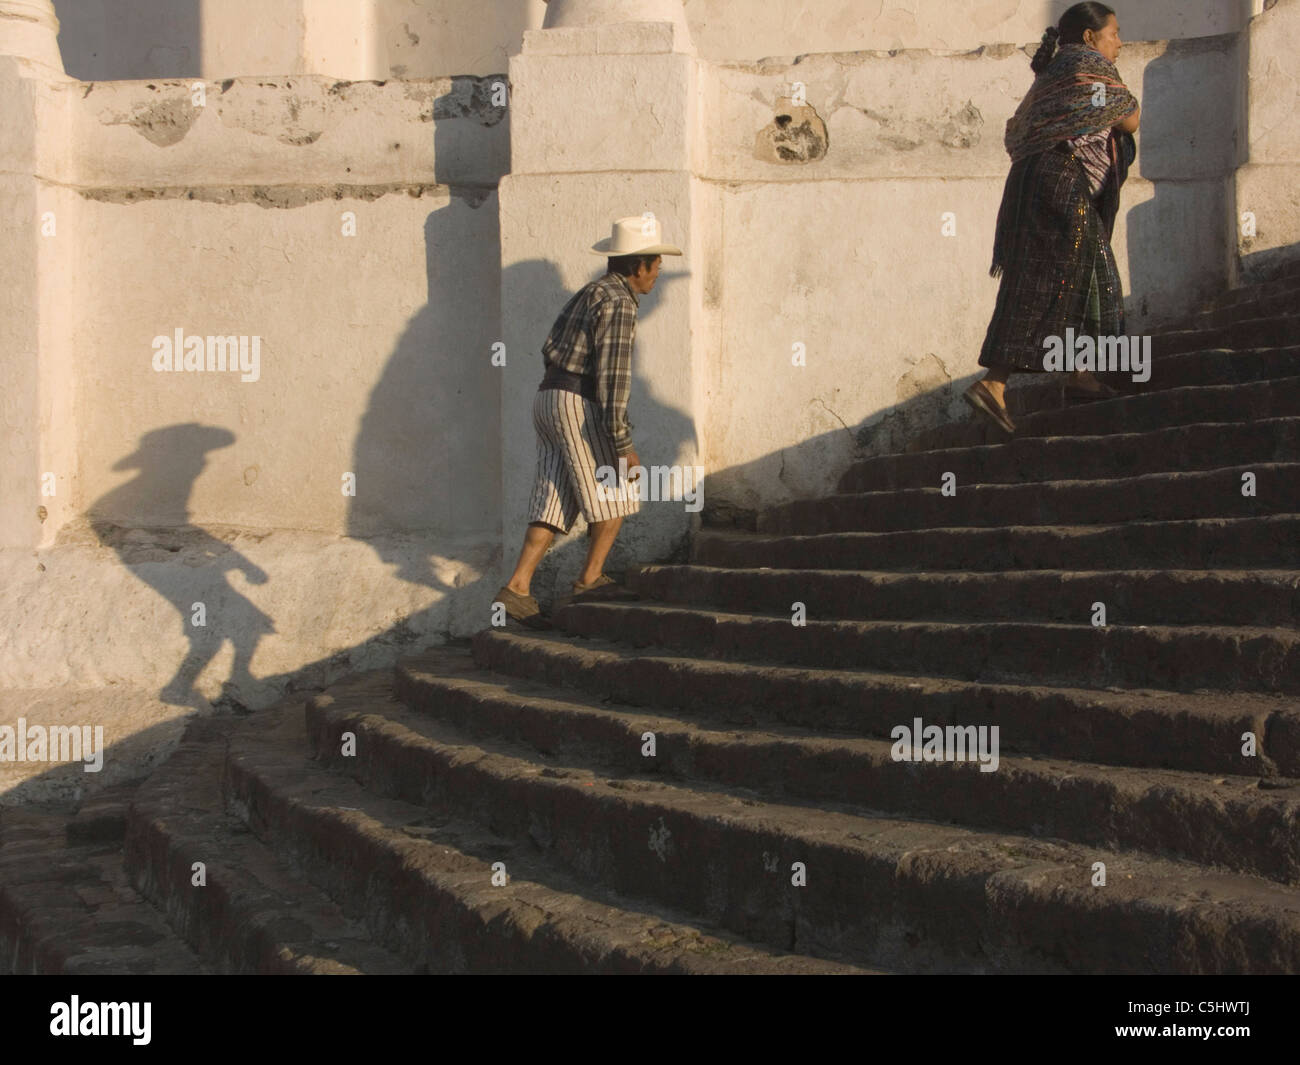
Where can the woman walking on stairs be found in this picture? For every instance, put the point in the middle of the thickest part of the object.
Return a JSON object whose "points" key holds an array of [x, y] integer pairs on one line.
{"points": [[1071, 144]]}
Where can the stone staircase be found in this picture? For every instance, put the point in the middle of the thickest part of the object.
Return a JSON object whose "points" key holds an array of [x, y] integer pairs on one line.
{"points": [[494, 808]]}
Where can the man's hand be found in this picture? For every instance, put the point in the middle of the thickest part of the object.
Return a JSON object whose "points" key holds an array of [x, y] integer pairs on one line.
{"points": [[632, 459]]}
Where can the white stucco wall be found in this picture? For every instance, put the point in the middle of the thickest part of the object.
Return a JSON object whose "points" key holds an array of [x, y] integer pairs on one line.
{"points": [[727, 30], [105, 39], [108, 39], [227, 217]]}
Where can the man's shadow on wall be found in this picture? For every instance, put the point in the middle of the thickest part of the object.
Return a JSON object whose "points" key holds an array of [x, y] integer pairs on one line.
{"points": [[210, 609]]}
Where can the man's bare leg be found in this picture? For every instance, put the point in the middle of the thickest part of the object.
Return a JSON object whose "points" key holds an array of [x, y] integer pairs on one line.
{"points": [[600, 538], [537, 541]]}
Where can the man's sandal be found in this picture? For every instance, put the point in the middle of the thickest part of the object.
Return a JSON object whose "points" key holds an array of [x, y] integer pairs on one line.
{"points": [[602, 590], [522, 608]]}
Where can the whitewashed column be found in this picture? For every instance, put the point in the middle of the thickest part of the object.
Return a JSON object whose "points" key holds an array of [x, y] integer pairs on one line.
{"points": [[1268, 184], [29, 29], [603, 124]]}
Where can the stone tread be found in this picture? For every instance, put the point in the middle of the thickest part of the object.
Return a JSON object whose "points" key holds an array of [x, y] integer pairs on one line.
{"points": [[254, 914], [1136, 727], [1183, 658], [1172, 916], [1198, 447], [1145, 497], [1269, 541], [1275, 397], [1132, 596], [1191, 815], [68, 908], [542, 919], [1192, 369]]}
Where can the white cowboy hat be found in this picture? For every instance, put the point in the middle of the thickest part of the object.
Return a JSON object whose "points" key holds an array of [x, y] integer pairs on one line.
{"points": [[636, 235]]}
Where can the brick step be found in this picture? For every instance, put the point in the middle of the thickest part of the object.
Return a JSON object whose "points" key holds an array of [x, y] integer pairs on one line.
{"points": [[66, 907], [1271, 542], [1132, 597], [887, 892], [1197, 732], [420, 876], [1141, 413], [254, 915], [1228, 822], [1186, 447], [1169, 496], [1170, 658]]}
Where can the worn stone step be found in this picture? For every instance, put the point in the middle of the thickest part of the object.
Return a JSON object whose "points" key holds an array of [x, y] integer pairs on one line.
{"points": [[902, 894], [1185, 447], [1257, 303], [1198, 732], [1168, 496], [1216, 366], [102, 817], [68, 908], [1031, 394], [1278, 303], [253, 915], [1229, 822], [1270, 542], [1171, 658], [1144, 412], [1281, 286], [421, 875], [1132, 597], [1272, 330]]}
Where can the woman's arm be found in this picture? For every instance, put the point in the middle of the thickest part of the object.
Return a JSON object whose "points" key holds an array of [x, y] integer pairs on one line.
{"points": [[1130, 123]]}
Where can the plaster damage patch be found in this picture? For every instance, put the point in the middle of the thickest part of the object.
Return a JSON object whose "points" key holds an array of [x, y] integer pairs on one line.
{"points": [[281, 196], [471, 97], [923, 395], [164, 123], [903, 132], [796, 135], [295, 120]]}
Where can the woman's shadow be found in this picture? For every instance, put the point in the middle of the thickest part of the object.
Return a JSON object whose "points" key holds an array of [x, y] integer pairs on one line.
{"points": [[155, 503]]}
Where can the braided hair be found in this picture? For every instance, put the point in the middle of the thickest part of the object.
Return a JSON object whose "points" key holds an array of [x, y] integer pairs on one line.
{"points": [[1081, 17]]}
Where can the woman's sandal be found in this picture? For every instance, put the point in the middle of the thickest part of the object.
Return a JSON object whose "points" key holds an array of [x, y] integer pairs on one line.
{"points": [[979, 397], [1075, 394]]}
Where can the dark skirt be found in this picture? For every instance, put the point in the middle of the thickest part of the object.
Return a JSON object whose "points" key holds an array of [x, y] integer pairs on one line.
{"points": [[1058, 271]]}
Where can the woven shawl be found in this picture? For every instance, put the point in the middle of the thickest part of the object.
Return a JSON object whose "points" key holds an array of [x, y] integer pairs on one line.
{"points": [[1065, 102]]}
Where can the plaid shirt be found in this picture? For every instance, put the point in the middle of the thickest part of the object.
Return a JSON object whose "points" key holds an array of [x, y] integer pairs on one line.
{"points": [[593, 336]]}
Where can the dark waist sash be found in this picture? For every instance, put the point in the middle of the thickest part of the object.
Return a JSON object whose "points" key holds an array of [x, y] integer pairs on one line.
{"points": [[565, 381]]}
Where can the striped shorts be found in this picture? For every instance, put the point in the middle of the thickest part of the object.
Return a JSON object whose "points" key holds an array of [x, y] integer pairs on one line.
{"points": [[572, 443]]}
